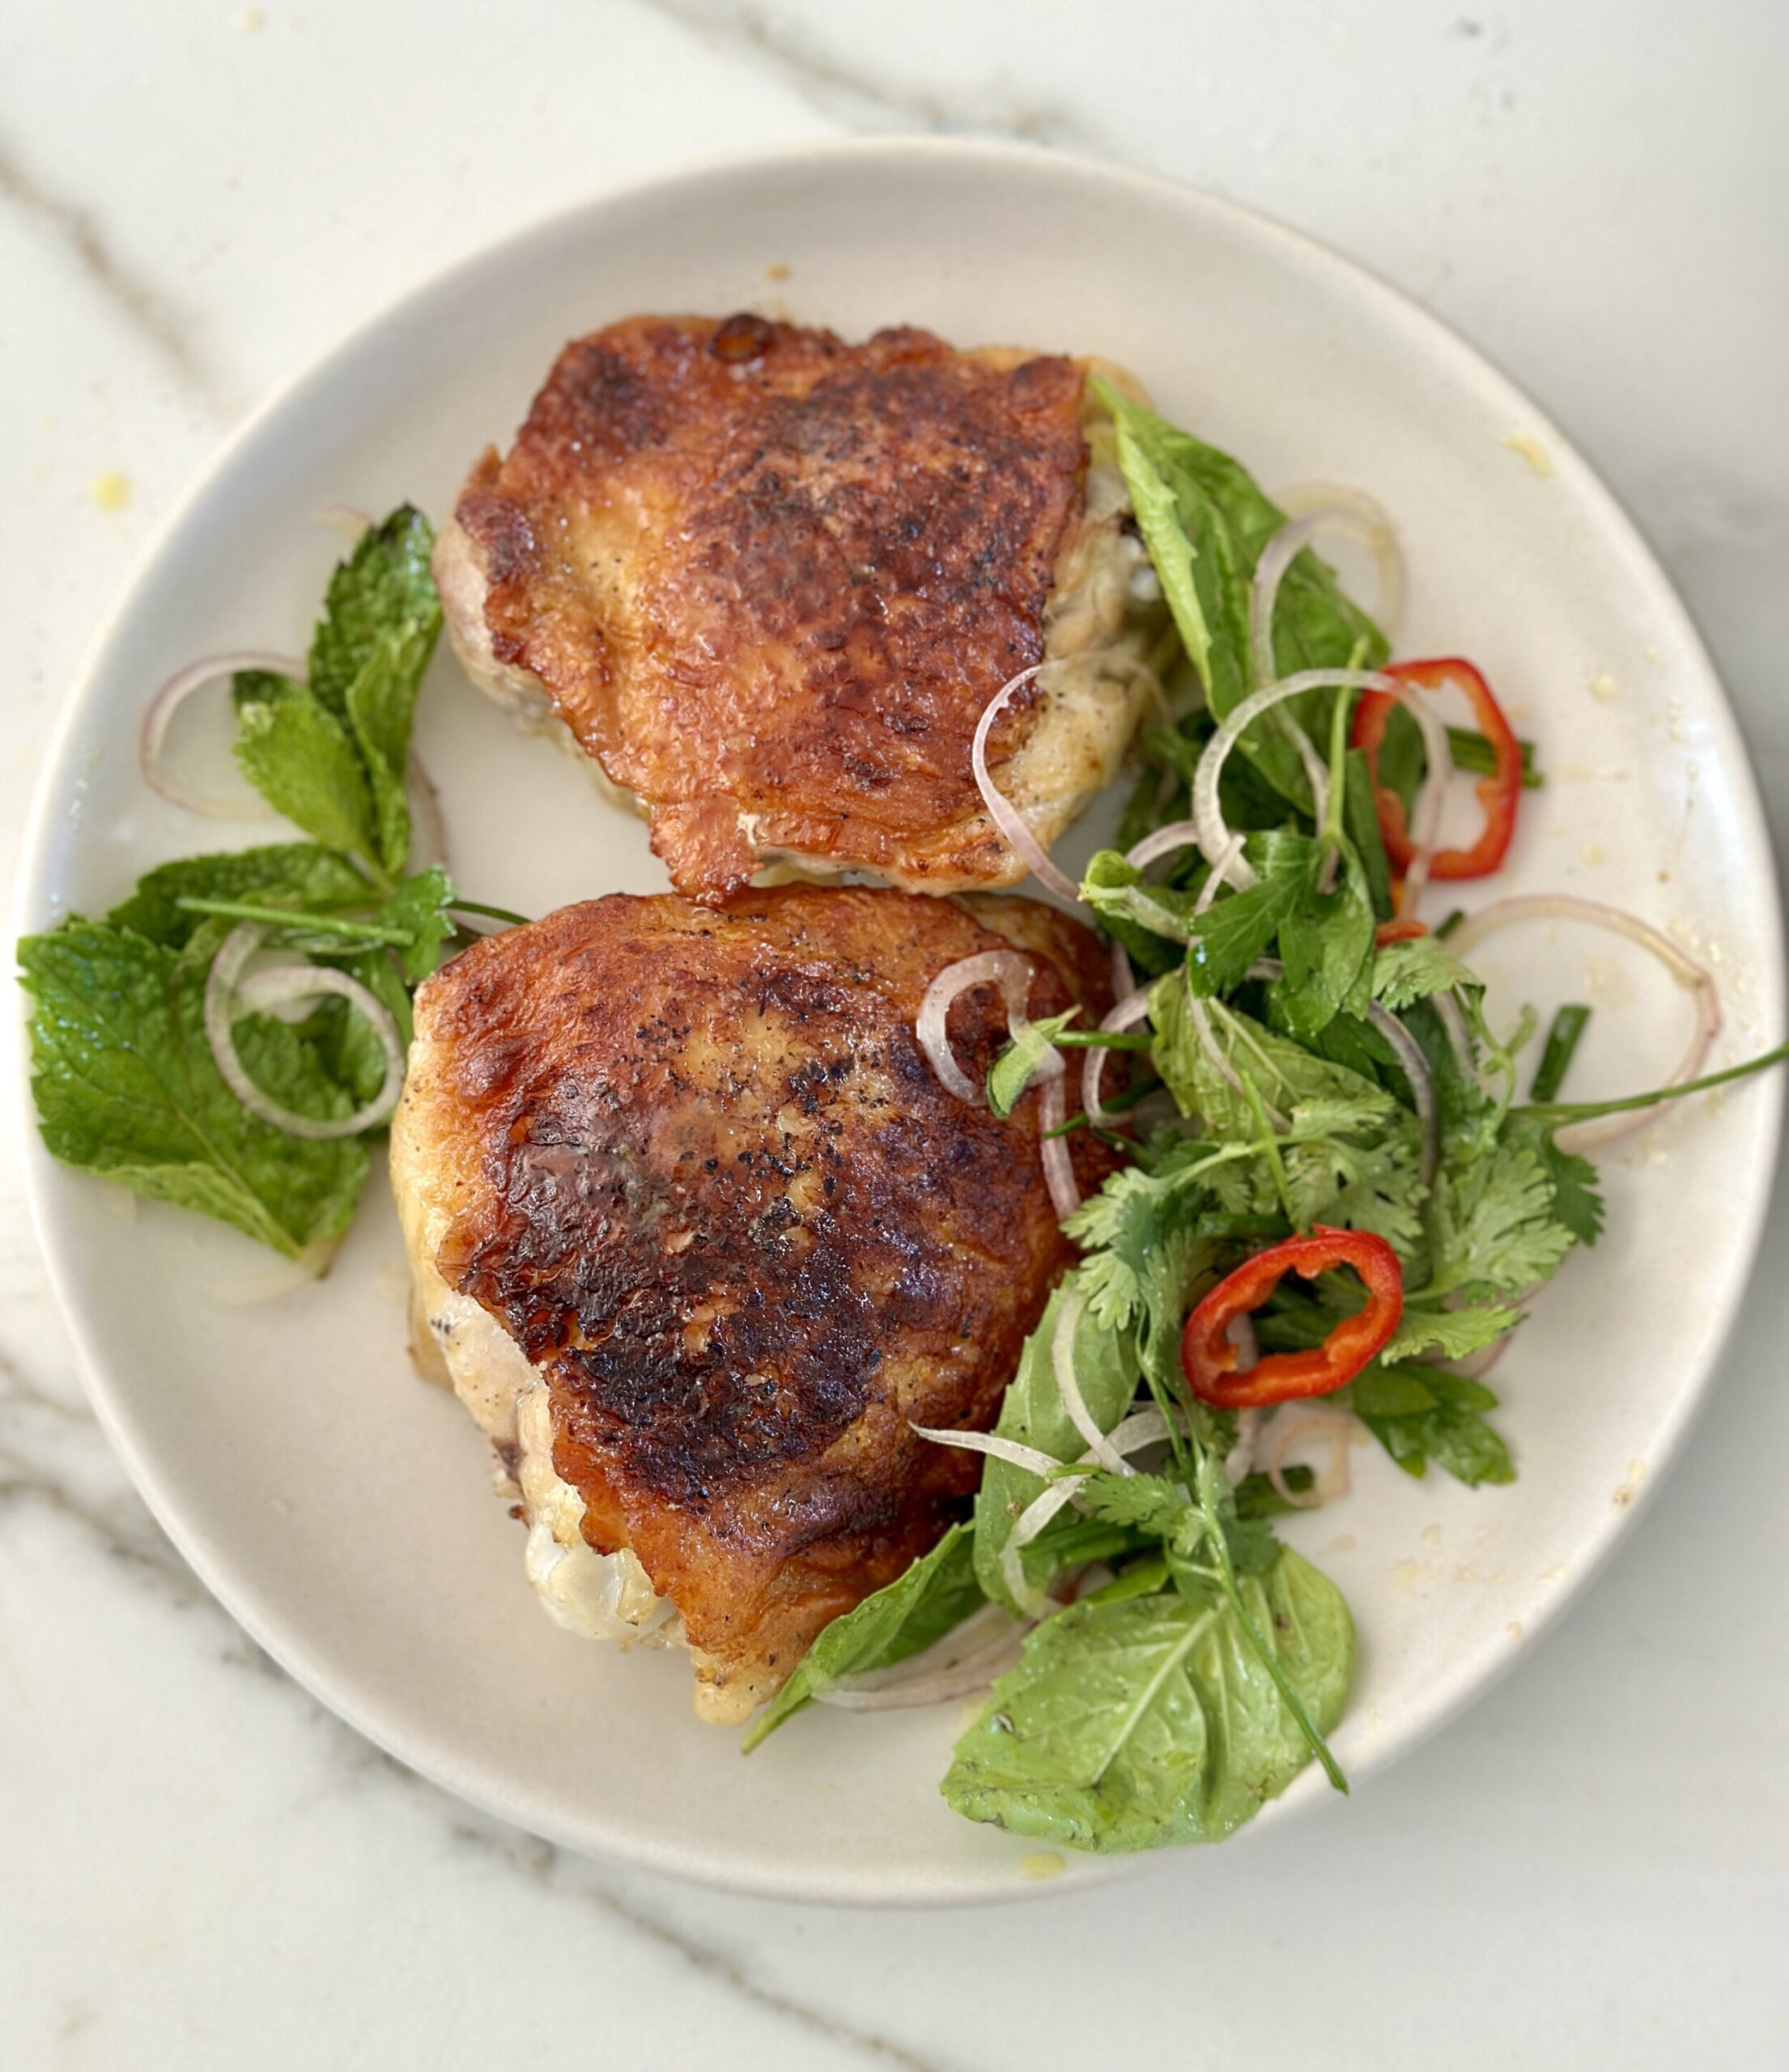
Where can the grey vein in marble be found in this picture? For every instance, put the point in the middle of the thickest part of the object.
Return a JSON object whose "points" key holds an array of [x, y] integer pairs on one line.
{"points": [[49, 1450], [147, 313], [868, 98]]}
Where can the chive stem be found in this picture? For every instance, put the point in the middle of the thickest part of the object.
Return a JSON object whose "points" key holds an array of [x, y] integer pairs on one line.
{"points": [[1562, 1042]]}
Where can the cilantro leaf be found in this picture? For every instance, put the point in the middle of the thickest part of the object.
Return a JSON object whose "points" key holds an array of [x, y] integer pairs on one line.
{"points": [[1448, 1334], [126, 1086], [1406, 972], [1493, 1221]]}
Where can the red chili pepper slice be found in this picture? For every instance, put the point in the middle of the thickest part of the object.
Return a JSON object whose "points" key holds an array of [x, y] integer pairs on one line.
{"points": [[1499, 794], [1208, 1359], [1399, 932]]}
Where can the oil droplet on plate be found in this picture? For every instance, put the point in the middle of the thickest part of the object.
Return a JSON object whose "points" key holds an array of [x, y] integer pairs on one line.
{"points": [[1604, 688], [112, 490], [1044, 1863], [1529, 446]]}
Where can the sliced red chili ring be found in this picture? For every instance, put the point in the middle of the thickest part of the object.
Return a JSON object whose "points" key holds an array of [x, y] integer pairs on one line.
{"points": [[1499, 793], [1209, 1358]]}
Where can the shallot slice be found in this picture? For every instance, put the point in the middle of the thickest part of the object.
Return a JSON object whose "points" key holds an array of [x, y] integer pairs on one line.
{"points": [[1005, 968], [1074, 1403], [1132, 1009], [1337, 1427], [1696, 977], [1004, 814], [1423, 1084], [152, 736], [228, 995]]}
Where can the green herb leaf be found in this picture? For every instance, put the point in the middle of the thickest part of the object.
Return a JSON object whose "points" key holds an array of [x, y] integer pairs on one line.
{"points": [[927, 1601], [126, 1086], [1134, 1724], [381, 704], [1448, 1334], [296, 874], [1011, 1071], [383, 586], [1452, 1433], [1406, 972], [298, 756]]}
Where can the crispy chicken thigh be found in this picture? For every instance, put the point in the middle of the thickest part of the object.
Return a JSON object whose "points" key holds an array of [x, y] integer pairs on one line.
{"points": [[700, 1236], [770, 581]]}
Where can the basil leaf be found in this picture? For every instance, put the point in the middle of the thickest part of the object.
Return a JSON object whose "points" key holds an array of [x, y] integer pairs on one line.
{"points": [[1205, 522], [126, 1086], [1134, 1724], [1452, 1433], [929, 1599]]}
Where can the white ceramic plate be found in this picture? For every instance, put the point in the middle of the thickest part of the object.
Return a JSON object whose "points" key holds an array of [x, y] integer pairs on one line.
{"points": [[343, 1510]]}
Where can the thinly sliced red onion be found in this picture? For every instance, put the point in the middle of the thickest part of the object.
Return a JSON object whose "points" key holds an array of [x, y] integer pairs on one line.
{"points": [[1214, 835], [1006, 816], [1422, 1086], [1058, 1170], [964, 1661], [1123, 979], [1005, 968], [1683, 967], [1132, 1009], [1453, 1024], [1177, 834], [1337, 1480], [1074, 1403], [1009, 1450], [1239, 1461], [1331, 507], [227, 995], [158, 717]]}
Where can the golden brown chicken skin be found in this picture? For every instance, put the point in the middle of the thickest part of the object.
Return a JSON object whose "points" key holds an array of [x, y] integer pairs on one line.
{"points": [[696, 1166], [770, 580]]}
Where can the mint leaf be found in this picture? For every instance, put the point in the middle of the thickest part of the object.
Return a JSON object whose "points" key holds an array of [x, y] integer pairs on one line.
{"points": [[383, 586], [381, 703], [420, 907], [126, 1086], [927, 1601], [1326, 950], [298, 756], [296, 874], [1154, 1720]]}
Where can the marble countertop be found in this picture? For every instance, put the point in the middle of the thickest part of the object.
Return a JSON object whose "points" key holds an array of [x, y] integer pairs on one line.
{"points": [[198, 1867]]}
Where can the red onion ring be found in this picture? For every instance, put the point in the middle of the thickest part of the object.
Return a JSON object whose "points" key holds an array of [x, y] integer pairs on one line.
{"points": [[1058, 1170], [1338, 1426], [1132, 1009], [1123, 979], [1319, 507], [1005, 816], [1005, 968], [1177, 834], [1240, 1459], [948, 1669], [1422, 1086], [1009, 1450], [152, 736], [227, 995], [1696, 978], [1074, 1403]]}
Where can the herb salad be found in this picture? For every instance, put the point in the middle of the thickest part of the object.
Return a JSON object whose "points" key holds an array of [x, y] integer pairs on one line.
{"points": [[1346, 1200]]}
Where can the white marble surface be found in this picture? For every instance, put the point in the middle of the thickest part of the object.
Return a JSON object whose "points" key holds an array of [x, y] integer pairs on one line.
{"points": [[197, 1868]]}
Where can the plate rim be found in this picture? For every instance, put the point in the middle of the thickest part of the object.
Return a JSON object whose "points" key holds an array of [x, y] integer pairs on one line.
{"points": [[31, 908]]}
